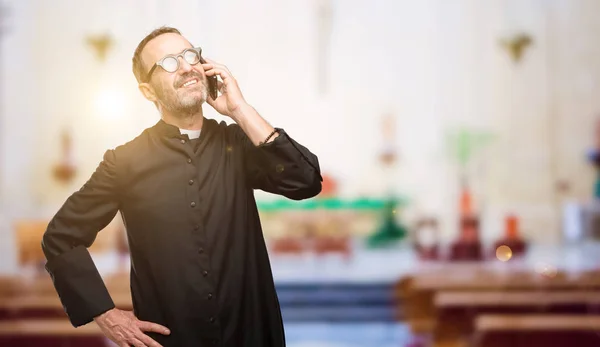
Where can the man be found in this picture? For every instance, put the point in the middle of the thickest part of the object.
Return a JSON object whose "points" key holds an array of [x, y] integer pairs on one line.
{"points": [[200, 273]]}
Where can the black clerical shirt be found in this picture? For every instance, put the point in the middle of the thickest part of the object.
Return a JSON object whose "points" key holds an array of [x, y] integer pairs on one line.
{"points": [[199, 264]]}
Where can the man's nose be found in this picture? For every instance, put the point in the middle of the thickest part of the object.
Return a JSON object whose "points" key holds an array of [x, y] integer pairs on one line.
{"points": [[184, 66]]}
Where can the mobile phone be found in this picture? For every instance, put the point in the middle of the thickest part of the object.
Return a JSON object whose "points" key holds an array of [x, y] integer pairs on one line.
{"points": [[212, 83]]}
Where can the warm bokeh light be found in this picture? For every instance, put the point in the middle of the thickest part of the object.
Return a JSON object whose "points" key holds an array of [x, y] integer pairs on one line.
{"points": [[503, 253], [546, 269], [110, 104]]}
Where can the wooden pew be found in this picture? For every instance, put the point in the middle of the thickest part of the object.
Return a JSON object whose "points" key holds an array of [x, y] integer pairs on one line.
{"points": [[481, 280], [46, 327], [537, 331], [31, 314], [50, 333], [419, 296], [25, 297], [45, 306], [456, 311], [10, 285], [515, 299]]}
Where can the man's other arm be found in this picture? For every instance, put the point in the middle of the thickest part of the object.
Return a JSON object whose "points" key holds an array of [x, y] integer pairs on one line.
{"points": [[280, 165], [70, 232]]}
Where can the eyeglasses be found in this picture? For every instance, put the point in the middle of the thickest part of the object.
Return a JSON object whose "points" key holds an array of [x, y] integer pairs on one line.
{"points": [[170, 63]]}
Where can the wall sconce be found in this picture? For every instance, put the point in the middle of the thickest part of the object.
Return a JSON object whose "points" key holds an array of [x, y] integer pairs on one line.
{"points": [[516, 45], [100, 44]]}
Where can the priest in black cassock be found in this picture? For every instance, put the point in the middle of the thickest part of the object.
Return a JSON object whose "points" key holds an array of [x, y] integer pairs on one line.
{"points": [[200, 273]]}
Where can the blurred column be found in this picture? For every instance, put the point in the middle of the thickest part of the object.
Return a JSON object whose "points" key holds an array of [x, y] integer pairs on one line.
{"points": [[18, 93], [574, 53], [523, 177], [324, 18]]}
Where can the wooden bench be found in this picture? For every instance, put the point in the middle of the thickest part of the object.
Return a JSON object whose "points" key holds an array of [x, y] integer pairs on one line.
{"points": [[481, 280], [50, 333], [45, 306], [509, 299], [456, 311], [50, 301], [47, 327], [419, 305], [537, 331]]}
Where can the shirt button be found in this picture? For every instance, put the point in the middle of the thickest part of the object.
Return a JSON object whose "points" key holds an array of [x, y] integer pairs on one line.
{"points": [[211, 319], [201, 250], [190, 182], [210, 296], [193, 204], [204, 273], [196, 227], [189, 161], [182, 141]]}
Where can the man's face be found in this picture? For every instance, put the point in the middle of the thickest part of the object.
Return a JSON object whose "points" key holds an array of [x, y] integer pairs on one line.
{"points": [[168, 87]]}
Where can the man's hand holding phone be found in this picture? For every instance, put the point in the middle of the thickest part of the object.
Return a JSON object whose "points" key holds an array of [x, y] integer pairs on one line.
{"points": [[231, 98]]}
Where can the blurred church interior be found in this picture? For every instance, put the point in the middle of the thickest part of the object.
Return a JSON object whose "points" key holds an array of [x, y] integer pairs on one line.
{"points": [[459, 143]]}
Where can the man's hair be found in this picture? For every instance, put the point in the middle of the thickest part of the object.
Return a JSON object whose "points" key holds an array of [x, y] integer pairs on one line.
{"points": [[138, 67]]}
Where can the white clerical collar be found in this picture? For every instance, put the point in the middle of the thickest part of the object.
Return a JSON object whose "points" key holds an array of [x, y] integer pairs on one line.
{"points": [[192, 134]]}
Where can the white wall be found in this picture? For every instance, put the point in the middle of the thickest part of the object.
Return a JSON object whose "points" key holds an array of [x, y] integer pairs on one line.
{"points": [[435, 64]]}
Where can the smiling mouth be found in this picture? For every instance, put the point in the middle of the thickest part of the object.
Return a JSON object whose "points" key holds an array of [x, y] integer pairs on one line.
{"points": [[190, 83]]}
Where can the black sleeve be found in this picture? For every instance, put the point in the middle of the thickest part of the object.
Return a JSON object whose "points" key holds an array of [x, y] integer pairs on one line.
{"points": [[82, 291], [282, 166]]}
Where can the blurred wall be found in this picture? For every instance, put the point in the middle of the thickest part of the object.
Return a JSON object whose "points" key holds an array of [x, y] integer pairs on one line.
{"points": [[434, 64]]}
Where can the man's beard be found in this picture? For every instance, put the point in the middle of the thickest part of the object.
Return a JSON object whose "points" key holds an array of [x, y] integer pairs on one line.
{"points": [[181, 102]]}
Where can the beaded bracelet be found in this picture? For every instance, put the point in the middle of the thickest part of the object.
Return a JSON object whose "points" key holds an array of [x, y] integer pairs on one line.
{"points": [[269, 137]]}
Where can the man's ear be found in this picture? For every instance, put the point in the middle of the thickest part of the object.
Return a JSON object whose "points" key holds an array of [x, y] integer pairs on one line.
{"points": [[148, 91]]}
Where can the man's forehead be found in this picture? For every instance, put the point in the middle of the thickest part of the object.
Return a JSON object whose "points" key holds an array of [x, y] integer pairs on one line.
{"points": [[170, 43]]}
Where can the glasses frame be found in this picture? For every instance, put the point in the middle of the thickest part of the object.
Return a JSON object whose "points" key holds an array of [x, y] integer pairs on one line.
{"points": [[198, 51]]}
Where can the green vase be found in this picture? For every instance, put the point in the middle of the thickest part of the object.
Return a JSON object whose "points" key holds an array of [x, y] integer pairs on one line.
{"points": [[389, 231]]}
